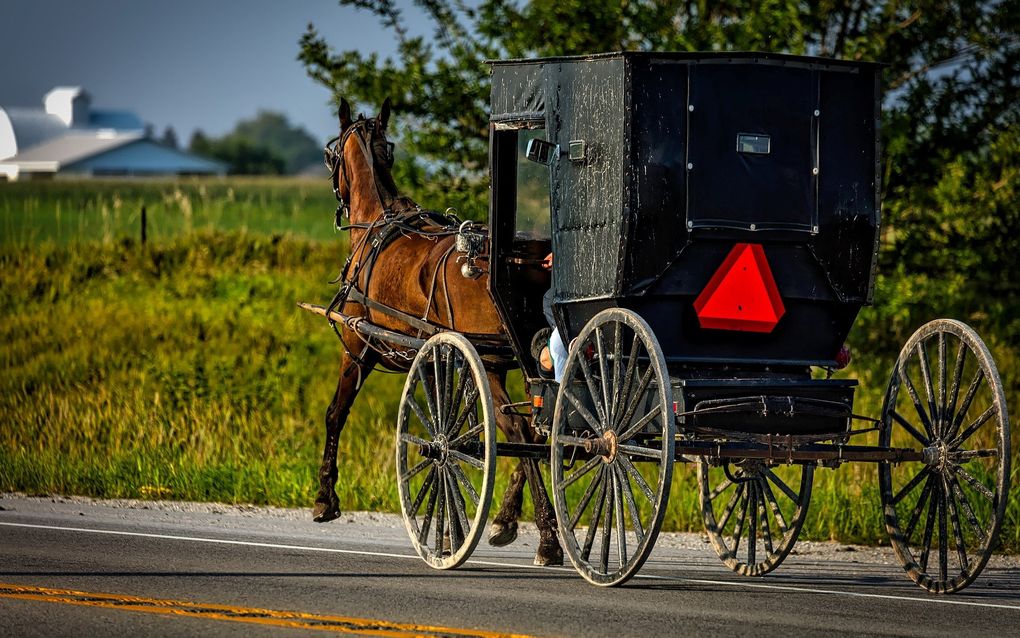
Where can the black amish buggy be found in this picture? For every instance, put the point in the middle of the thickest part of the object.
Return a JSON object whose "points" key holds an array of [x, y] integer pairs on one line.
{"points": [[715, 224]]}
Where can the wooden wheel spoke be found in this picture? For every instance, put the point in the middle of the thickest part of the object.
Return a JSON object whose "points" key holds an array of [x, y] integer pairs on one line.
{"points": [[429, 401], [593, 391], [966, 455], [637, 398], [593, 523], [582, 505], [968, 510], [722, 487], [954, 393], [422, 492], [752, 528], [462, 525], [448, 371], [603, 377], [954, 511], [635, 514], [640, 480], [589, 465], [637, 450], [980, 487], [914, 482], [430, 510], [915, 515], [470, 460], [440, 382], [766, 531], [640, 424], [416, 470], [469, 435], [916, 400], [583, 411], [973, 427], [929, 528], [929, 389], [460, 477], [628, 375], [457, 399], [730, 507], [618, 514], [738, 527], [469, 409], [943, 537], [440, 514], [968, 398], [908, 427], [778, 482], [777, 513], [617, 335], [942, 380], [429, 427], [607, 526], [412, 439]]}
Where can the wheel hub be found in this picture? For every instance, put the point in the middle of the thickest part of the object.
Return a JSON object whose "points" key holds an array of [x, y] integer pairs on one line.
{"points": [[937, 455], [605, 446], [438, 450]]}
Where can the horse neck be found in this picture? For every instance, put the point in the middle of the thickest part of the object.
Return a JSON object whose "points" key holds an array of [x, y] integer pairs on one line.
{"points": [[368, 197]]}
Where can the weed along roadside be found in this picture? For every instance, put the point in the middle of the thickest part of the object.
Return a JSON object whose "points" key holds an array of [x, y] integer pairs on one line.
{"points": [[185, 371]]}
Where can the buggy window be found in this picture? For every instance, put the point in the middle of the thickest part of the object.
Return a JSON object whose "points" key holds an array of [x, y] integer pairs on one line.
{"points": [[532, 190]]}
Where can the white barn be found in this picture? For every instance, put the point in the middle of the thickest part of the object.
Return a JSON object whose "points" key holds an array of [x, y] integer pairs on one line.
{"points": [[68, 138]]}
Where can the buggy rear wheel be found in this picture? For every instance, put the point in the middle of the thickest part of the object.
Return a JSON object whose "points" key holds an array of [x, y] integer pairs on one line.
{"points": [[612, 447], [943, 514], [753, 512], [446, 450]]}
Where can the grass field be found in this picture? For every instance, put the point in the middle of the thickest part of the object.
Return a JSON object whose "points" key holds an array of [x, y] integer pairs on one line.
{"points": [[182, 369]]}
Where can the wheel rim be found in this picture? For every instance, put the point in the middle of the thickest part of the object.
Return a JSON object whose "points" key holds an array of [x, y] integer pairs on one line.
{"points": [[753, 513], [614, 411], [445, 450], [945, 398]]}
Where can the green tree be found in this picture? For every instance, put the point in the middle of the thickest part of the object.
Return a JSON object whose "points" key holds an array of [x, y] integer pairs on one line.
{"points": [[293, 144], [243, 157]]}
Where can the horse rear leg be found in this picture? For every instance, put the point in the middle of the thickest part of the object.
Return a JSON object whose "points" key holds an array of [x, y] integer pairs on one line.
{"points": [[352, 376], [549, 551]]}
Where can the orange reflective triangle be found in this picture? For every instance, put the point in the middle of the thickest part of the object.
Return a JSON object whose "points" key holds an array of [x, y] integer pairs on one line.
{"points": [[741, 295]]}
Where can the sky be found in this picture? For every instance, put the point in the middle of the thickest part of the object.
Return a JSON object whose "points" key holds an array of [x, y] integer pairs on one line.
{"points": [[190, 64]]}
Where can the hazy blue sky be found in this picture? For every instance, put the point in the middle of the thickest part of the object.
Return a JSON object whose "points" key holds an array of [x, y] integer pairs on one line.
{"points": [[186, 63]]}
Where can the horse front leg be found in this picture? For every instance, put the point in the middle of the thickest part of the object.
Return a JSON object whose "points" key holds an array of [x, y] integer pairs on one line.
{"points": [[352, 376], [549, 550]]}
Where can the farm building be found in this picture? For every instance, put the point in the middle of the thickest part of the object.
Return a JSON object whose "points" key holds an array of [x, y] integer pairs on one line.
{"points": [[68, 138]]}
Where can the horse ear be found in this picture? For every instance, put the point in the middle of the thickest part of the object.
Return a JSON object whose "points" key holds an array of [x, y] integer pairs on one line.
{"points": [[345, 114], [384, 115]]}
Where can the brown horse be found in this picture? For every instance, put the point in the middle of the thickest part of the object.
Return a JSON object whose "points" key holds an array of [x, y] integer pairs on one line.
{"points": [[400, 279]]}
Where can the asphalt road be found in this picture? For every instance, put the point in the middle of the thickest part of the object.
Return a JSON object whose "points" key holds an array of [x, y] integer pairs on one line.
{"points": [[74, 566]]}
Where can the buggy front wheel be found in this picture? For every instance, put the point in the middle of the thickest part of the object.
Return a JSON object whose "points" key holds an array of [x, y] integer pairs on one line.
{"points": [[446, 450]]}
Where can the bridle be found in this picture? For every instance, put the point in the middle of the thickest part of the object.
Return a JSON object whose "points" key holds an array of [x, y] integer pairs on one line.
{"points": [[365, 131]]}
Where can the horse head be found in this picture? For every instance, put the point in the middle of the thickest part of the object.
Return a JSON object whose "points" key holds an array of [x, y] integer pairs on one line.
{"points": [[360, 160]]}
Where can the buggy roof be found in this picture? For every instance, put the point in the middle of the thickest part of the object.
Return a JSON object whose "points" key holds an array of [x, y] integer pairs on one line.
{"points": [[693, 56]]}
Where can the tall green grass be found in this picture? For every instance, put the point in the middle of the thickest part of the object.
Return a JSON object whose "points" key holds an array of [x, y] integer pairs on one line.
{"points": [[183, 370]]}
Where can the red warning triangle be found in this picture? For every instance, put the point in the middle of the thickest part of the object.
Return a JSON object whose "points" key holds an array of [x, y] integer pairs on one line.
{"points": [[742, 295]]}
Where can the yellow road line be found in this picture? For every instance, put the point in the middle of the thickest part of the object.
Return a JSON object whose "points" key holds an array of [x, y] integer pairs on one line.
{"points": [[300, 620]]}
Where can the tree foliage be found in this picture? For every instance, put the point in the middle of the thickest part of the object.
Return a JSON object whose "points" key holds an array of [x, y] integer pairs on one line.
{"points": [[951, 118], [265, 145]]}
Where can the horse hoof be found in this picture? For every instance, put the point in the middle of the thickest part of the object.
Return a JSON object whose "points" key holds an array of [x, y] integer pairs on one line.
{"points": [[549, 556], [501, 534], [325, 512]]}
